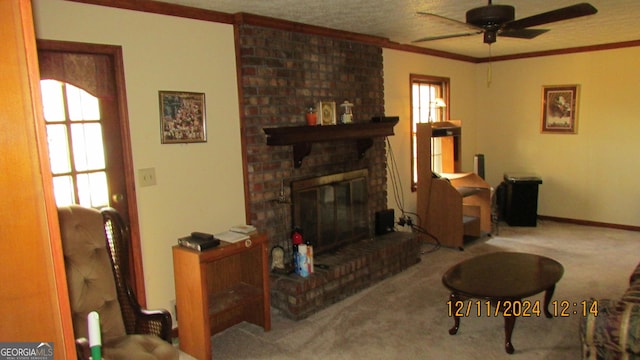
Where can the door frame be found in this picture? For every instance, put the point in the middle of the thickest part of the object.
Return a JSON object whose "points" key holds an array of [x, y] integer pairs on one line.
{"points": [[115, 53]]}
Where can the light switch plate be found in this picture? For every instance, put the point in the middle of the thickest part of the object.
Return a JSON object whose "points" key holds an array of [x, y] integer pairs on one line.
{"points": [[147, 177]]}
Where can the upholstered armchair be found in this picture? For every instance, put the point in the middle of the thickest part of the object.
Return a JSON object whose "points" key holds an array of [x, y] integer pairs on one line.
{"points": [[95, 247]]}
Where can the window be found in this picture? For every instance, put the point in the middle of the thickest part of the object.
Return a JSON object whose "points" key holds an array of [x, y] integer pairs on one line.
{"points": [[76, 151], [429, 103]]}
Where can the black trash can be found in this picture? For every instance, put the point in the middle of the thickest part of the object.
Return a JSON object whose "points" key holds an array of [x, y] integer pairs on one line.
{"points": [[521, 199]]}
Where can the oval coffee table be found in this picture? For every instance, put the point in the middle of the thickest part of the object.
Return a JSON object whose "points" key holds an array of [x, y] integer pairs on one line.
{"points": [[500, 281]]}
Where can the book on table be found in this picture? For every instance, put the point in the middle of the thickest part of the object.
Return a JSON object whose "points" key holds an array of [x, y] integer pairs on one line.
{"points": [[231, 236], [244, 229]]}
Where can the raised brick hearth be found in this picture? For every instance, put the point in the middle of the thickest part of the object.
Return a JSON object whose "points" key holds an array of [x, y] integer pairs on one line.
{"points": [[352, 268]]}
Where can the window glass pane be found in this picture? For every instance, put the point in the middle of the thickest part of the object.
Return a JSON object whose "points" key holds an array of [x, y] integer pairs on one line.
{"points": [[82, 105], [414, 157], [52, 100], [424, 93], [58, 149], [88, 152], [63, 190]]}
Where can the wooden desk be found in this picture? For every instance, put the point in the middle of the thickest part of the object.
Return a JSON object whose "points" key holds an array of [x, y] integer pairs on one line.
{"points": [[453, 205], [475, 192], [218, 288]]}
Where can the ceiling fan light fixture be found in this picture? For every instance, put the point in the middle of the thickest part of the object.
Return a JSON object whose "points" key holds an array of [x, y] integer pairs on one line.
{"points": [[490, 37]]}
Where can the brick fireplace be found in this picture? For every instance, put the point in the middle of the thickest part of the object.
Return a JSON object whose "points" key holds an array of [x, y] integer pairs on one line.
{"points": [[281, 73]]}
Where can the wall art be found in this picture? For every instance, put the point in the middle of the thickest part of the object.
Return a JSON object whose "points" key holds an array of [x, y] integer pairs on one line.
{"points": [[182, 117], [560, 109]]}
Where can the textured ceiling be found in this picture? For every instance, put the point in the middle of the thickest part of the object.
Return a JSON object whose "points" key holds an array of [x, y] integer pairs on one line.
{"points": [[616, 21]]}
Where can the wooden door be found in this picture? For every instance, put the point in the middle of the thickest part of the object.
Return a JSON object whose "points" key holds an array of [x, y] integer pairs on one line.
{"points": [[84, 103], [34, 305]]}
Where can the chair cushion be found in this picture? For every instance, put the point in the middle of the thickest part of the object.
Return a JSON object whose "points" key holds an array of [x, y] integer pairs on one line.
{"points": [[139, 347], [89, 271]]}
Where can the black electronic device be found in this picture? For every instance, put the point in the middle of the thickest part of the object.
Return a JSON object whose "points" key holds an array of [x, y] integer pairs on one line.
{"points": [[202, 235], [384, 221], [385, 118], [199, 241]]}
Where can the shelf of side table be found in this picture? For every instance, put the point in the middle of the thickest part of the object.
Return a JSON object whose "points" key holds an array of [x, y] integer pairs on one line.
{"points": [[218, 288]]}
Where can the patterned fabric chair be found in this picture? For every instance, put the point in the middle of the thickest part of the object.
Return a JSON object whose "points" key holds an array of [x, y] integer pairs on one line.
{"points": [[614, 334], [95, 247]]}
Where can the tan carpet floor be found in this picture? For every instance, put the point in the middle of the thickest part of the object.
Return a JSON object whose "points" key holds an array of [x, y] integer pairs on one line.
{"points": [[405, 317]]}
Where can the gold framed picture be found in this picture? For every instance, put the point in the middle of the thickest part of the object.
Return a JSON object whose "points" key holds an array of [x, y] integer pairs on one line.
{"points": [[327, 113], [182, 117], [560, 109]]}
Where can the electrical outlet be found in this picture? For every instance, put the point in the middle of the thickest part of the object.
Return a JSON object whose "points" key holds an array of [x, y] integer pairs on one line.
{"points": [[147, 177]]}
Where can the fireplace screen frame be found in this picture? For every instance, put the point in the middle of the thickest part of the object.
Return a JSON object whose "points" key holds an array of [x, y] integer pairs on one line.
{"points": [[332, 210]]}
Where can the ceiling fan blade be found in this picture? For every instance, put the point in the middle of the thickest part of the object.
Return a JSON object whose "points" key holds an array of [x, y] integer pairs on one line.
{"points": [[431, 38], [467, 25], [565, 13], [522, 33]]}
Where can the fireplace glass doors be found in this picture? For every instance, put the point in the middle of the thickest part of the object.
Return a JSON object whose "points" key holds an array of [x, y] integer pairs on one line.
{"points": [[332, 210]]}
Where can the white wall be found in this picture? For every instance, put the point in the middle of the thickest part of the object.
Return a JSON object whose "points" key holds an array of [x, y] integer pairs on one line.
{"points": [[591, 175], [200, 185]]}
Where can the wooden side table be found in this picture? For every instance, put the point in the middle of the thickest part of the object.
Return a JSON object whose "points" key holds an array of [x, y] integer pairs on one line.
{"points": [[218, 288]]}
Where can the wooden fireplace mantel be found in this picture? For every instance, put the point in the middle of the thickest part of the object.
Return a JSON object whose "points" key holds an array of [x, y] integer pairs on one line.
{"points": [[301, 137]]}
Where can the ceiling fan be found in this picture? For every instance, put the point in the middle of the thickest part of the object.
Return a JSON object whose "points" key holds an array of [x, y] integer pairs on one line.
{"points": [[499, 20]]}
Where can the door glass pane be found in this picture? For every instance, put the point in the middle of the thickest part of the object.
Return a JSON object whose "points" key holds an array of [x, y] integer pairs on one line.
{"points": [[76, 134], [52, 100], [88, 152], [63, 190], [58, 149], [82, 105], [92, 189]]}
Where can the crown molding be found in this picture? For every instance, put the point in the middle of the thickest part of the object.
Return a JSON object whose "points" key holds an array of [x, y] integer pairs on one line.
{"points": [[162, 8]]}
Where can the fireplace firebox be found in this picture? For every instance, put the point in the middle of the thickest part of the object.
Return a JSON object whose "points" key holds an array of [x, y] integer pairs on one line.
{"points": [[332, 210]]}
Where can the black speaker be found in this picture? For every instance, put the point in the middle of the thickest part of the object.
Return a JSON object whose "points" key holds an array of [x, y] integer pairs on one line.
{"points": [[384, 221], [478, 165]]}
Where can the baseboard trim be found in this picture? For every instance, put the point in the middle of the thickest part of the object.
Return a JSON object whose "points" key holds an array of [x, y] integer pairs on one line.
{"points": [[589, 223]]}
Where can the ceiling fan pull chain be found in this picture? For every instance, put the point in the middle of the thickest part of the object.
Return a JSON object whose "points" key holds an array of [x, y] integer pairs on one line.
{"points": [[490, 69]]}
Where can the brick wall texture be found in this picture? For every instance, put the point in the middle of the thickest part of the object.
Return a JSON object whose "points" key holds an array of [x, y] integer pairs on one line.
{"points": [[281, 74]]}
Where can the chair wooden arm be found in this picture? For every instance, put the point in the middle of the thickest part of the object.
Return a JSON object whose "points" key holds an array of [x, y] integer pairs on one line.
{"points": [[156, 322], [82, 349]]}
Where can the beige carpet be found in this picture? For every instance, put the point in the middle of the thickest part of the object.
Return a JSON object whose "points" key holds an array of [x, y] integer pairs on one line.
{"points": [[405, 317]]}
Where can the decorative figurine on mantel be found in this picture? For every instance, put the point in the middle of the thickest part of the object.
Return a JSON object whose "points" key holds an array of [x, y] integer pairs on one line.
{"points": [[347, 115]]}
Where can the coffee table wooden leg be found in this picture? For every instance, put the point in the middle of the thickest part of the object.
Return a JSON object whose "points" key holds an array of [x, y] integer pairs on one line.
{"points": [[509, 323], [547, 298], [454, 311]]}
